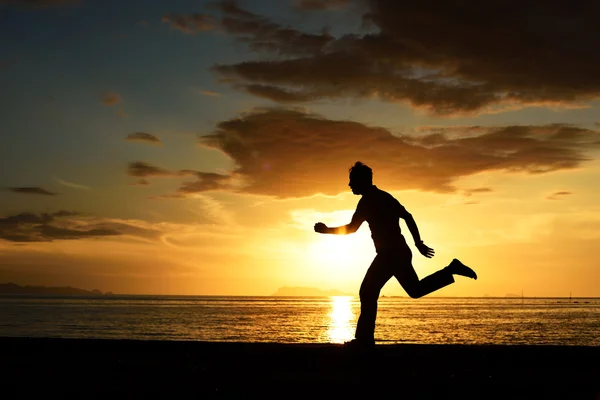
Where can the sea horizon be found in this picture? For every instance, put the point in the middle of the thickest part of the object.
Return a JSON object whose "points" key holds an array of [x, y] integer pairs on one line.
{"points": [[111, 295], [303, 319]]}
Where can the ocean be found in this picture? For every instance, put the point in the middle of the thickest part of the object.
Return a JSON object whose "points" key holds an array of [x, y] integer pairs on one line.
{"points": [[549, 321]]}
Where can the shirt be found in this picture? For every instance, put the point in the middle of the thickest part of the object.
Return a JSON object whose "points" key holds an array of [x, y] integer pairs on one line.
{"points": [[382, 211]]}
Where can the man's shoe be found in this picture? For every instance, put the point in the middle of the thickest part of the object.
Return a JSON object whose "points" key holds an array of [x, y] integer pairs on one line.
{"points": [[458, 268]]}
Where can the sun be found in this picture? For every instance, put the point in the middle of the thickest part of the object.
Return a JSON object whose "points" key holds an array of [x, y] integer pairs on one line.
{"points": [[332, 250], [340, 252]]}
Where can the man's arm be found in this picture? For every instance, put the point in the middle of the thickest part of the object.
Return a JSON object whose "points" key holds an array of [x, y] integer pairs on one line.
{"points": [[352, 227], [414, 231], [412, 226]]}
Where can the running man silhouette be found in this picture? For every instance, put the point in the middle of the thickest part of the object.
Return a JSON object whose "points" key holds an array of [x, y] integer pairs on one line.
{"points": [[394, 258]]}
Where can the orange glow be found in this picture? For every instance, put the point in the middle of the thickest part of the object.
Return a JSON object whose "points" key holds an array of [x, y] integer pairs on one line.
{"points": [[335, 251], [341, 320]]}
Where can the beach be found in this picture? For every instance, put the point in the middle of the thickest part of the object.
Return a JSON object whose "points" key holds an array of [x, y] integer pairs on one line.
{"points": [[225, 370]]}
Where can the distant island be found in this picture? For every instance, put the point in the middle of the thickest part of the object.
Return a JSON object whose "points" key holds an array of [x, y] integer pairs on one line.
{"points": [[11, 288], [307, 291]]}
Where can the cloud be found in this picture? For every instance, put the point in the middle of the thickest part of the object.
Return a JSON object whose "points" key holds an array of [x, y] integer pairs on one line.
{"points": [[141, 182], [558, 195], [32, 190], [209, 93], [256, 31], [321, 4], [111, 98], [143, 137], [489, 57], [72, 185], [141, 169], [45, 227], [40, 3], [470, 192], [290, 153], [190, 23], [68, 225], [205, 181]]}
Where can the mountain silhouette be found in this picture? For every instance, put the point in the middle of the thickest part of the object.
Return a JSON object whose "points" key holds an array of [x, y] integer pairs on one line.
{"points": [[12, 288]]}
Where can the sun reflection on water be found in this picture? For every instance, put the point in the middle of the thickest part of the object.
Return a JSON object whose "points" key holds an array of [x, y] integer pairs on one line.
{"points": [[341, 318]]}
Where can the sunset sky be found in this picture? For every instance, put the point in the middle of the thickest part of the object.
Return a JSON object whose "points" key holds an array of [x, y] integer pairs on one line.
{"points": [[188, 147]]}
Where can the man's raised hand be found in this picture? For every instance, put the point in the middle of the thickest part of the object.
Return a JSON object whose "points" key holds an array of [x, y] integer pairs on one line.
{"points": [[425, 250], [320, 227]]}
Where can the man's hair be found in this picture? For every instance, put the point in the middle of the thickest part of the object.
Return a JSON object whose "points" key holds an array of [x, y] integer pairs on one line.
{"points": [[361, 172]]}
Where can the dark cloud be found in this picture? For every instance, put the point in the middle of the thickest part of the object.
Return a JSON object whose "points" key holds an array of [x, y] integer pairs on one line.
{"points": [[190, 23], [256, 31], [143, 137], [68, 225], [111, 98], [141, 169], [321, 4], [46, 227], [442, 57], [32, 190], [39, 3], [558, 195], [204, 180], [289, 153], [142, 182]]}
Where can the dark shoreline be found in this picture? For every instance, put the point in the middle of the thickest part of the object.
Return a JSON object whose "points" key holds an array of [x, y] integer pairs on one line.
{"points": [[222, 369]]}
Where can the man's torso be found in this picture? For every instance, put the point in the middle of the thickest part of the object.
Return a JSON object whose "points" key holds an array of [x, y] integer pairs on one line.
{"points": [[382, 211]]}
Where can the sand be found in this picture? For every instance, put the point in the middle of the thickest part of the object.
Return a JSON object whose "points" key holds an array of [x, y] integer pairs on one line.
{"points": [[240, 370]]}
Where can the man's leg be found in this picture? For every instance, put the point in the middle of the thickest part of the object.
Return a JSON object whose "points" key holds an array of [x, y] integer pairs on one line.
{"points": [[415, 288], [380, 271]]}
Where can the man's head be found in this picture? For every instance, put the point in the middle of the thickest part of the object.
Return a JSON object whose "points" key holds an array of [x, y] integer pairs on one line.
{"points": [[361, 178]]}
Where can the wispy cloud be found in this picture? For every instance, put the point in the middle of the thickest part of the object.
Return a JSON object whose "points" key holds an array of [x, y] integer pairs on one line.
{"points": [[558, 195], [72, 185], [470, 192], [32, 190], [143, 137], [111, 98], [209, 93], [190, 23], [254, 30], [67, 225], [141, 169], [321, 4], [36, 4], [205, 181]]}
